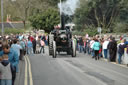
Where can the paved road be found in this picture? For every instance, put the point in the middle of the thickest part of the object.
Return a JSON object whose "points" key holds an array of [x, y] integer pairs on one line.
{"points": [[82, 70]]}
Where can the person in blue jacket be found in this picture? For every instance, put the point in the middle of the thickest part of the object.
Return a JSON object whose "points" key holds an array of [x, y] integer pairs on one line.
{"points": [[29, 46], [13, 58], [96, 48]]}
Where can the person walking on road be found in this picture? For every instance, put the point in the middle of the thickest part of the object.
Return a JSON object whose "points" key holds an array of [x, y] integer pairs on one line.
{"points": [[29, 47], [88, 46], [22, 44], [34, 45], [96, 48], [85, 45], [42, 43], [81, 44]]}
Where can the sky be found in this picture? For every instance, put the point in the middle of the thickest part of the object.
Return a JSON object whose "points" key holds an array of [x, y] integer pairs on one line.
{"points": [[69, 6]]}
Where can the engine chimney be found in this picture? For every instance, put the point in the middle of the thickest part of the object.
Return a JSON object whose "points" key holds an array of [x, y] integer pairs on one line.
{"points": [[62, 22]]}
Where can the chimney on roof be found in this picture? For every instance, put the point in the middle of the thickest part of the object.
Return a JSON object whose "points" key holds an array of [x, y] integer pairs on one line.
{"points": [[8, 18]]}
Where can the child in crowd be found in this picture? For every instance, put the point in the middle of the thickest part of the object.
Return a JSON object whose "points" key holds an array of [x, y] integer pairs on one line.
{"points": [[5, 70]]}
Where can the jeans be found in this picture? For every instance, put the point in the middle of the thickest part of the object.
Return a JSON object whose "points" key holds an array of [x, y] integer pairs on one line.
{"points": [[6, 82], [13, 75], [30, 50], [42, 47], [105, 53], [92, 52], [46, 42], [88, 49], [119, 59], [85, 49], [80, 48], [34, 49]]}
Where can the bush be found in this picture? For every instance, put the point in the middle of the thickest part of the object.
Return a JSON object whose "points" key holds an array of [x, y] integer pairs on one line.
{"points": [[121, 28], [91, 30]]}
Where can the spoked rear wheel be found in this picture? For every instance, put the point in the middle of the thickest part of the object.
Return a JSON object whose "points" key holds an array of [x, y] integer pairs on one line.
{"points": [[54, 49], [51, 39], [73, 49]]}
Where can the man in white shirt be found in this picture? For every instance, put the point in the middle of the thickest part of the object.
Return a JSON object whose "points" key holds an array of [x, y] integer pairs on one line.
{"points": [[105, 45]]}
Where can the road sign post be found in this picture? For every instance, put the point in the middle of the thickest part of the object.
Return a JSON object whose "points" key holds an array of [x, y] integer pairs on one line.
{"points": [[99, 30], [60, 13]]}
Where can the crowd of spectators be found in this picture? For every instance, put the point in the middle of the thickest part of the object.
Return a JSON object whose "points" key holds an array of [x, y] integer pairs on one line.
{"points": [[106, 47], [13, 48]]}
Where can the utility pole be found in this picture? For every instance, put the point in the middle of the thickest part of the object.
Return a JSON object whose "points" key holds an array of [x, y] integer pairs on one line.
{"points": [[60, 13], [2, 17]]}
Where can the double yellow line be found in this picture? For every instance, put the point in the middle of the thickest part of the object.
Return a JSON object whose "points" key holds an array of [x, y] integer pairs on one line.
{"points": [[28, 71]]}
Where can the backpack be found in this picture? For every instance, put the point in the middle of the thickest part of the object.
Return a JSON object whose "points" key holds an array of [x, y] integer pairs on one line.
{"points": [[42, 43]]}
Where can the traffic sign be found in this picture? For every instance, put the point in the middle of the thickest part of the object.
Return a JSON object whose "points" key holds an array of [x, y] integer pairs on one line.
{"points": [[99, 29]]}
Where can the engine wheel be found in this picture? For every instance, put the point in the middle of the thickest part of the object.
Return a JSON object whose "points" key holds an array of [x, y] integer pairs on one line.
{"points": [[68, 52], [51, 39], [73, 49], [54, 49]]}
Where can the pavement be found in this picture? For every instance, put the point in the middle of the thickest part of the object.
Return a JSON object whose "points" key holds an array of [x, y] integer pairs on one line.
{"points": [[42, 69]]}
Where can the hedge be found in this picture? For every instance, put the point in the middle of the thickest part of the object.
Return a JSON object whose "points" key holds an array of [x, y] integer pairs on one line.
{"points": [[13, 31]]}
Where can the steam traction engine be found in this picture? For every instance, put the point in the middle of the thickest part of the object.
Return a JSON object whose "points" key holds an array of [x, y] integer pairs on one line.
{"points": [[60, 40]]}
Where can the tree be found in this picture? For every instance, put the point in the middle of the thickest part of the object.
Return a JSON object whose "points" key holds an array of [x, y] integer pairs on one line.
{"points": [[54, 2], [81, 15], [124, 12], [17, 9], [22, 9], [121, 24], [46, 20], [98, 13]]}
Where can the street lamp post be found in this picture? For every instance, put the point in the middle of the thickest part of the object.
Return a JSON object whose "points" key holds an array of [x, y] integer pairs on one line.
{"points": [[2, 16]]}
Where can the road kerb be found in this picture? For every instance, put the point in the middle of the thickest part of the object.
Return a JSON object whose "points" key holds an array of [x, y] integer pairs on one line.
{"points": [[116, 63]]}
